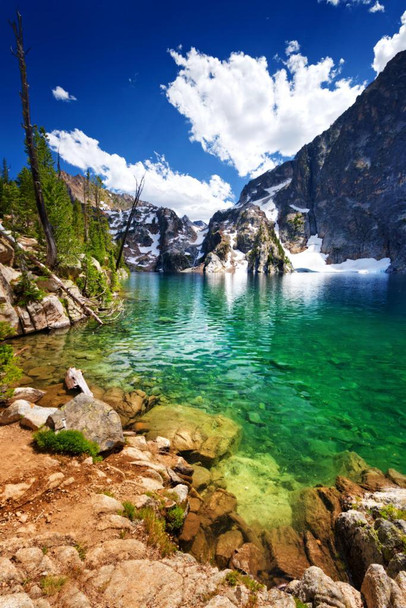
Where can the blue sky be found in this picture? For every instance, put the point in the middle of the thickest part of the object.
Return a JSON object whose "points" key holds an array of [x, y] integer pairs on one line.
{"points": [[244, 113]]}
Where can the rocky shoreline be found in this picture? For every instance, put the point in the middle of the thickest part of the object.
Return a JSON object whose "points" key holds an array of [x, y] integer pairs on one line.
{"points": [[345, 547]]}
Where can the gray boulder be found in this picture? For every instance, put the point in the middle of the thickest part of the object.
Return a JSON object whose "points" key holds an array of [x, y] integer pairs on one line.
{"points": [[319, 589], [380, 591], [30, 415], [95, 419]]}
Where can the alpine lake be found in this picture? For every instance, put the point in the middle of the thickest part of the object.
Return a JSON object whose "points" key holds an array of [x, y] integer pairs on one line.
{"points": [[310, 365]]}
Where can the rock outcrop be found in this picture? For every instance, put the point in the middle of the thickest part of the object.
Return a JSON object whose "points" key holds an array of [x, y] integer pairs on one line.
{"points": [[243, 239]]}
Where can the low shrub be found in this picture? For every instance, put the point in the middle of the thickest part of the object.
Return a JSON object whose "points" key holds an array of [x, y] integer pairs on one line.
{"points": [[65, 442], [234, 578], [26, 290], [155, 527]]}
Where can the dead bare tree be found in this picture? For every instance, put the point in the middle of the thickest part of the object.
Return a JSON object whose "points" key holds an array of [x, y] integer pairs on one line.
{"points": [[136, 200], [20, 53]]}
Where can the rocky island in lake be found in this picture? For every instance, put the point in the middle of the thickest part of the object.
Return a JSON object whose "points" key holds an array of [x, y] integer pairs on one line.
{"points": [[202, 396]]}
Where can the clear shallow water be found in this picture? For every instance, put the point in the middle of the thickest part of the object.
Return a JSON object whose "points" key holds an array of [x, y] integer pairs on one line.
{"points": [[309, 364]]}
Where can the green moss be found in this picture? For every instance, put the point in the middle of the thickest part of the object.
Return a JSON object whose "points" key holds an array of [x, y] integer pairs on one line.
{"points": [[391, 512], [65, 442], [299, 604]]}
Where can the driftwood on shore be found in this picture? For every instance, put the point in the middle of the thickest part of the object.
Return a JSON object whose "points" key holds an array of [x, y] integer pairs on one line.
{"points": [[74, 379], [36, 262]]}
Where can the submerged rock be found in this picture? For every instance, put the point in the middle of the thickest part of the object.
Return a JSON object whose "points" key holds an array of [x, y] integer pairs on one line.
{"points": [[199, 435], [26, 392], [95, 419], [256, 482]]}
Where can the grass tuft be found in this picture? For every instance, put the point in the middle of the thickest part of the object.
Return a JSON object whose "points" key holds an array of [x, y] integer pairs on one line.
{"points": [[65, 442], [51, 585]]}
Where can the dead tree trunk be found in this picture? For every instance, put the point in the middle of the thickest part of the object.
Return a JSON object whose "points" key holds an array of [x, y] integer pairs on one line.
{"points": [[137, 196], [29, 138], [74, 379]]}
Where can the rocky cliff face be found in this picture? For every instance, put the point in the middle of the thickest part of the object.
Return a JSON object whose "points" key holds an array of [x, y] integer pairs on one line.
{"points": [[348, 186], [243, 239], [158, 239]]}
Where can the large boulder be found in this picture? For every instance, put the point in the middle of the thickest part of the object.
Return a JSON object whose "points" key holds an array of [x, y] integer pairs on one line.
{"points": [[380, 591], [359, 543], [135, 582], [317, 589], [95, 419], [201, 436], [287, 553]]}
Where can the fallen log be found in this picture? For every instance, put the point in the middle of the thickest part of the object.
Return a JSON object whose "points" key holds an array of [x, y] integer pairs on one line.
{"points": [[74, 379], [53, 276]]}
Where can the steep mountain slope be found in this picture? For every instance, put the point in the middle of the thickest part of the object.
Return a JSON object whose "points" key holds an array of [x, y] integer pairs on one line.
{"points": [[157, 240], [346, 194]]}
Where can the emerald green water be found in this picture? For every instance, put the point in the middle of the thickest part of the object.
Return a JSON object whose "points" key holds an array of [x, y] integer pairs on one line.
{"points": [[310, 365]]}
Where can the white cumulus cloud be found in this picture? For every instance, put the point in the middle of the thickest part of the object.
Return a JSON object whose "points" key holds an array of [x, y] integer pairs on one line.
{"points": [[377, 8], [61, 95], [388, 47], [245, 116], [292, 46], [163, 186]]}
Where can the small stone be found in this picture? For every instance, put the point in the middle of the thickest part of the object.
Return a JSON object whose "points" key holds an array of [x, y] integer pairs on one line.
{"points": [[254, 417], [105, 504], [88, 461], [114, 522], [220, 601], [55, 480], [163, 443], [136, 453], [135, 441], [181, 492]]}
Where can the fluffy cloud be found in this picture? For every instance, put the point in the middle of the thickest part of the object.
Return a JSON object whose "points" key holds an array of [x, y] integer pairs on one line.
{"points": [[387, 47], [163, 186], [292, 46], [245, 116], [61, 95], [377, 8]]}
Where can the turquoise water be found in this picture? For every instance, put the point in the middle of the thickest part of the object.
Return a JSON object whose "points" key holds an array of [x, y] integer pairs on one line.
{"points": [[310, 365]]}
